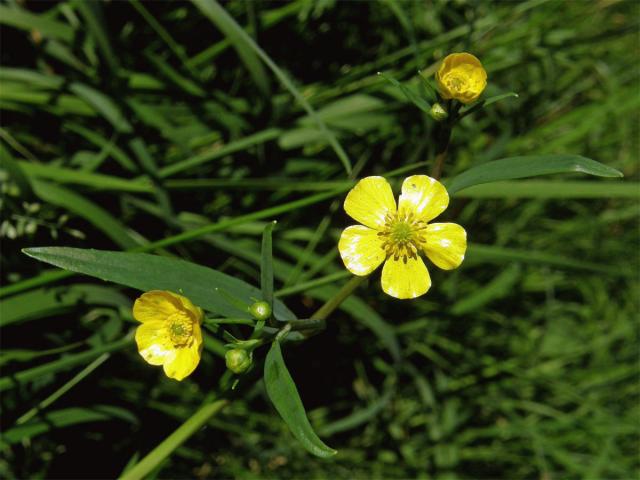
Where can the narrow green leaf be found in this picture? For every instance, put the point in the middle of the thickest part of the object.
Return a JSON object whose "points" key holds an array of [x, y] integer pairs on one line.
{"points": [[283, 393], [103, 105], [204, 286], [46, 302], [497, 98], [227, 25], [553, 189], [229, 148], [154, 458], [64, 363], [266, 264], [499, 287], [19, 18], [94, 214], [495, 254], [53, 276], [66, 418], [97, 27], [84, 373], [419, 102], [89, 179], [358, 417], [211, 7], [528, 166]]}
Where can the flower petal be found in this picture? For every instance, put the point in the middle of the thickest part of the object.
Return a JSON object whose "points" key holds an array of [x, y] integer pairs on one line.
{"points": [[361, 249], [156, 305], [370, 201], [446, 244], [424, 196], [154, 343], [403, 280], [192, 310], [186, 359]]}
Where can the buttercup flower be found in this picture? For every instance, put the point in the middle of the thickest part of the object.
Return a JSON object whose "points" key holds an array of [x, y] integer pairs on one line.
{"points": [[461, 76], [170, 333], [397, 236]]}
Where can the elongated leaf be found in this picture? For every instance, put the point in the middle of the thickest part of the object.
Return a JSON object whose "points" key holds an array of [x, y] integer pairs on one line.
{"points": [[159, 454], [497, 98], [528, 166], [52, 301], [554, 189], [495, 254], [94, 214], [485, 103], [266, 264], [419, 102], [499, 287], [231, 147], [61, 364], [205, 287], [19, 18], [212, 9], [284, 395], [103, 105], [96, 180], [66, 418], [221, 19]]}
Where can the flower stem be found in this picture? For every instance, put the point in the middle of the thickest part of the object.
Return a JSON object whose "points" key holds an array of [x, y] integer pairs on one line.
{"points": [[334, 302]]}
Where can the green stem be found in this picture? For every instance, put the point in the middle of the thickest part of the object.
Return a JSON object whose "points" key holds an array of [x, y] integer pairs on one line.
{"points": [[325, 310], [229, 321], [173, 441]]}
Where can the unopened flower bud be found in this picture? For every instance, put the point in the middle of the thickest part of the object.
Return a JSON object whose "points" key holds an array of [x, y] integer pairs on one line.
{"points": [[260, 310], [238, 360], [438, 112]]}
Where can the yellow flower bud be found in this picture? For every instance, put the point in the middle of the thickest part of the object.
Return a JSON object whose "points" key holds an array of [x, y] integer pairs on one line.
{"points": [[238, 360], [462, 77]]}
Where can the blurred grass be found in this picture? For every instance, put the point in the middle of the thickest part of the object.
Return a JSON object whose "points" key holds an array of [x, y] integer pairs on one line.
{"points": [[130, 123]]}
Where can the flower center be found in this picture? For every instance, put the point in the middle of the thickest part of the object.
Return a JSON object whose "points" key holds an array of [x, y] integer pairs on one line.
{"points": [[457, 83], [180, 329], [403, 235]]}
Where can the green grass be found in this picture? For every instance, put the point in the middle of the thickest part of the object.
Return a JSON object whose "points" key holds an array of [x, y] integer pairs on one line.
{"points": [[182, 129]]}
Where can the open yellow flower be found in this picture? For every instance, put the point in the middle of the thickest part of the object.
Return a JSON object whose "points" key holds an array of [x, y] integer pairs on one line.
{"points": [[461, 76], [170, 333], [397, 236]]}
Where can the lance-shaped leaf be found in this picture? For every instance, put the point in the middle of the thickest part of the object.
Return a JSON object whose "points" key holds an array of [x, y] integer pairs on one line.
{"points": [[528, 166], [284, 395], [206, 287]]}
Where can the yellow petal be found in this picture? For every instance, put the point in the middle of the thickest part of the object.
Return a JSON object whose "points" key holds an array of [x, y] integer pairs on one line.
{"points": [[361, 249], [403, 280], [370, 201], [194, 311], [156, 305], [186, 359], [446, 244], [423, 196], [154, 343]]}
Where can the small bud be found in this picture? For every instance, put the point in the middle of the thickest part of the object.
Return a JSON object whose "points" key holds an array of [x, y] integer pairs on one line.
{"points": [[438, 112], [237, 360], [260, 310]]}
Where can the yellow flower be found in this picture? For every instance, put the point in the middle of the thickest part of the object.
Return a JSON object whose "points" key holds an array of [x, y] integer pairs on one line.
{"points": [[397, 236], [170, 333], [461, 76]]}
